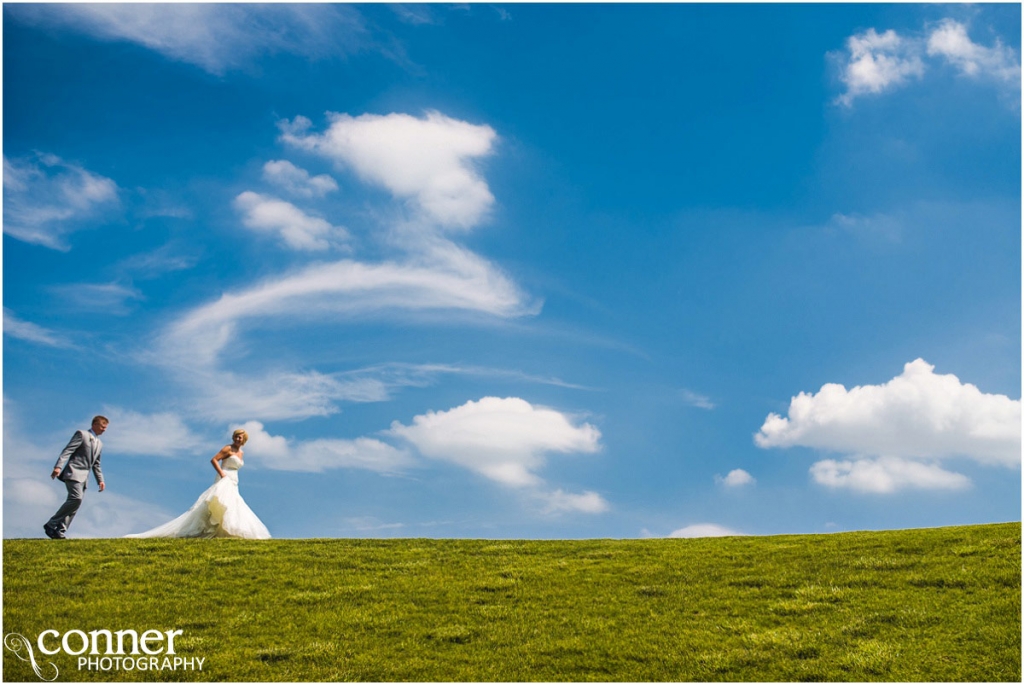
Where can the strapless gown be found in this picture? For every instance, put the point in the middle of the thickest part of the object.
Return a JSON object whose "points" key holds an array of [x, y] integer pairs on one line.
{"points": [[220, 512]]}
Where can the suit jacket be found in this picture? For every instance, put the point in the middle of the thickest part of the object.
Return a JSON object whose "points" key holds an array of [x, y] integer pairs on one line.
{"points": [[80, 456]]}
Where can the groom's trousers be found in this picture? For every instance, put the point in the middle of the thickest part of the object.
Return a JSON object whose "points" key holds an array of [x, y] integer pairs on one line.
{"points": [[60, 521]]}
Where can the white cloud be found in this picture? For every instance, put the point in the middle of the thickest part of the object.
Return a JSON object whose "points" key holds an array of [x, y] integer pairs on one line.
{"points": [[162, 434], [428, 162], [298, 230], [587, 502], [46, 198], [951, 42], [696, 400], [215, 37], [874, 63], [507, 440], [279, 453], [25, 330], [735, 478], [885, 475], [101, 298], [296, 181], [503, 439], [878, 62], [918, 415], [703, 530]]}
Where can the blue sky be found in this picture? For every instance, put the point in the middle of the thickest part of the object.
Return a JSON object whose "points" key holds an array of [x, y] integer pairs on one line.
{"points": [[517, 270]]}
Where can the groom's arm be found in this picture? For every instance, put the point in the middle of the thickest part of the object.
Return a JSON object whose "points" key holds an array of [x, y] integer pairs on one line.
{"points": [[98, 472], [76, 441]]}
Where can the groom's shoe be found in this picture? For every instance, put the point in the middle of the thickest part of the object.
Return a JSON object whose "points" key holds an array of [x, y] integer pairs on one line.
{"points": [[52, 534]]}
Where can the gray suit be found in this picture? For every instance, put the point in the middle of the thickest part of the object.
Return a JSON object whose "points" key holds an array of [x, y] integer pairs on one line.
{"points": [[80, 456]]}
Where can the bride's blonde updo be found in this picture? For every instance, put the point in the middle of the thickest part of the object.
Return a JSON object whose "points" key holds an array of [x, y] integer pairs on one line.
{"points": [[240, 431]]}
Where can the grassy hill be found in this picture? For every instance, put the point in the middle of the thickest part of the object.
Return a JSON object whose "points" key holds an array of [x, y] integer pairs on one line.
{"points": [[934, 605]]}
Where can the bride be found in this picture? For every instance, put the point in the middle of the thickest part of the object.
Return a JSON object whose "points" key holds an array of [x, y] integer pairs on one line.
{"points": [[220, 512]]}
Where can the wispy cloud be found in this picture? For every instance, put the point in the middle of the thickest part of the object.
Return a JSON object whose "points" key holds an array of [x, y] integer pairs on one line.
{"points": [[450, 279], [696, 400], [420, 375], [876, 228], [228, 396], [282, 454], [25, 457], [223, 395], [100, 298], [165, 259], [906, 424], [28, 331], [214, 37], [447, 278], [370, 523], [162, 434], [159, 203], [417, 15], [46, 198], [220, 394]]}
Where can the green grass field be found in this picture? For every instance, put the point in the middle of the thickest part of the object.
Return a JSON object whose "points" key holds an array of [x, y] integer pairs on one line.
{"points": [[935, 605]]}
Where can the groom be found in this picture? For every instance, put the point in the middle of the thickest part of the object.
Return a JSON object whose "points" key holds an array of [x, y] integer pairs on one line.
{"points": [[73, 465]]}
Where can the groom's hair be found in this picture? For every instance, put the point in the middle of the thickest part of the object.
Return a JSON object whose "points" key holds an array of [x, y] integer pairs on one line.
{"points": [[103, 419]]}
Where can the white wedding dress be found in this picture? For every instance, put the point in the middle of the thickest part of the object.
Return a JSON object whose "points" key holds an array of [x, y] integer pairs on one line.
{"points": [[220, 512]]}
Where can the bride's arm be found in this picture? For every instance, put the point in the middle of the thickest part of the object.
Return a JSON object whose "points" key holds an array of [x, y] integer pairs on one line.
{"points": [[223, 454]]}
